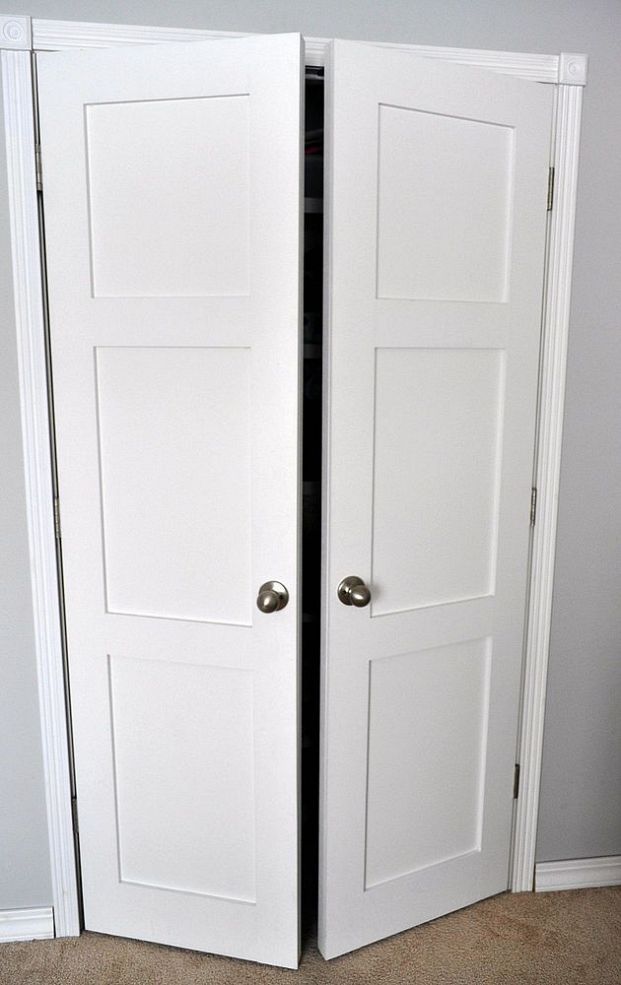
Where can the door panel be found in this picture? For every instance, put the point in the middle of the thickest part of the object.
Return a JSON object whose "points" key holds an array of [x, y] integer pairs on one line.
{"points": [[404, 832], [172, 208], [154, 522], [435, 191], [160, 805], [421, 199], [437, 419], [134, 215]]}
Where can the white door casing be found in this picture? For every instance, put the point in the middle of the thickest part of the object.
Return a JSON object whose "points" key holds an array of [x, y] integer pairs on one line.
{"points": [[172, 206], [568, 71], [436, 183]]}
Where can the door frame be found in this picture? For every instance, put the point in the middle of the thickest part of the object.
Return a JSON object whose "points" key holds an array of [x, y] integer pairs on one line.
{"points": [[20, 37]]}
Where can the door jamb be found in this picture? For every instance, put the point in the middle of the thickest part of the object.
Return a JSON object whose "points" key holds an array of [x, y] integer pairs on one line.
{"points": [[19, 37]]}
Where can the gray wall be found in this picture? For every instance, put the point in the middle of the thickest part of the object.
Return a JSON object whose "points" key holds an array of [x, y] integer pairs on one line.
{"points": [[581, 793], [24, 860]]}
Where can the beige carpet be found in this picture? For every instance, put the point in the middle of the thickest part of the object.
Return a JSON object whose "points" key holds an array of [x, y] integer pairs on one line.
{"points": [[566, 937]]}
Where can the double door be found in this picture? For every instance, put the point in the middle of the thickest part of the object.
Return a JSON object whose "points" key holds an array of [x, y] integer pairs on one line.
{"points": [[173, 208]]}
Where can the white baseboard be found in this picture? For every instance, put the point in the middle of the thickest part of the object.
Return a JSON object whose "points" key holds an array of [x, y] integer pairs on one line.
{"points": [[35, 923], [578, 873]]}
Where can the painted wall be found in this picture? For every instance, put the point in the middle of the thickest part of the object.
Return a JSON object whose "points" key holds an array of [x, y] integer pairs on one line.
{"points": [[24, 860], [581, 792]]}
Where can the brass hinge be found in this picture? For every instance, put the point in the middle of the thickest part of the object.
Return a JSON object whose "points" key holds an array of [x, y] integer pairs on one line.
{"points": [[550, 189], [38, 168], [516, 781], [533, 506], [57, 518]]}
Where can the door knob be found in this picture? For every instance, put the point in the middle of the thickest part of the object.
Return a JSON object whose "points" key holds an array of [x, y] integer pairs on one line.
{"points": [[272, 597], [353, 591]]}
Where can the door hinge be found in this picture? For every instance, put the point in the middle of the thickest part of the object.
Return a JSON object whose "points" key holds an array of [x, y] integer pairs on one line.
{"points": [[38, 168], [533, 506], [550, 189], [516, 781], [74, 815], [56, 517]]}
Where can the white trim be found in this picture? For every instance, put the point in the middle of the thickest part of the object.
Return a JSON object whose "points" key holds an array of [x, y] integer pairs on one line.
{"points": [[52, 35], [16, 72], [572, 68], [15, 32], [535, 68], [578, 873], [27, 287], [549, 438], [33, 924]]}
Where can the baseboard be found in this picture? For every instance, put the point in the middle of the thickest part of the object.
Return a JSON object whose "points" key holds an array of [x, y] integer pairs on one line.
{"points": [[578, 873], [35, 923]]}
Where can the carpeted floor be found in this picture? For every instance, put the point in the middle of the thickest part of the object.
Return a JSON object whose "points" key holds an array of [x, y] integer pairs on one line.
{"points": [[544, 938]]}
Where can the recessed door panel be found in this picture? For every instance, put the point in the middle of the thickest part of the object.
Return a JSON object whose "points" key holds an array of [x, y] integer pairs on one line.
{"points": [[176, 537], [457, 203], [143, 238], [180, 731], [438, 414], [423, 809], [436, 213], [173, 257]]}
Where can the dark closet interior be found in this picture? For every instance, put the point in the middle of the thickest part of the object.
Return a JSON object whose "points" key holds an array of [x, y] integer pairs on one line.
{"points": [[311, 468]]}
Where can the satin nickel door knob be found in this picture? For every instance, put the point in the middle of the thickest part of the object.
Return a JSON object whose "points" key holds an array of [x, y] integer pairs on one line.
{"points": [[272, 597], [353, 591]]}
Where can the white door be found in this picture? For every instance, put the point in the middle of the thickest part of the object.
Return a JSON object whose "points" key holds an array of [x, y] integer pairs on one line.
{"points": [[172, 208], [436, 210]]}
